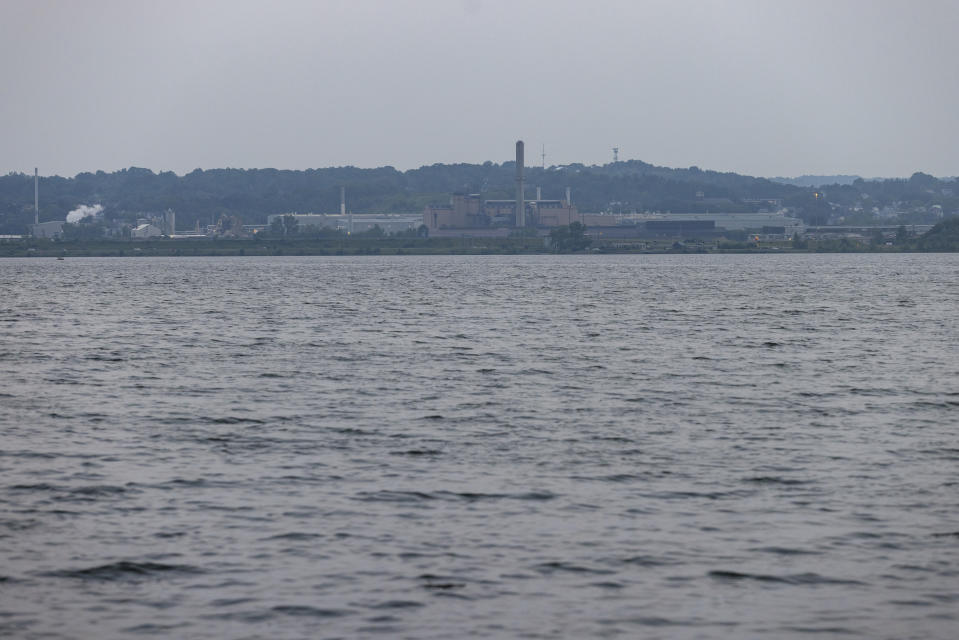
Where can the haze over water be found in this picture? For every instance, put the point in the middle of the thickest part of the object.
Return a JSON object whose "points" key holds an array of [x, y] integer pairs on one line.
{"points": [[684, 446]]}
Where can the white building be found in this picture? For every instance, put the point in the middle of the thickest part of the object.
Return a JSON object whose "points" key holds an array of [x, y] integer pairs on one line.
{"points": [[51, 229], [145, 231]]}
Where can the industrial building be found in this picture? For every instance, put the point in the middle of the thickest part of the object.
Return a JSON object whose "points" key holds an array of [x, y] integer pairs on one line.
{"points": [[470, 211], [350, 222], [145, 230], [776, 223], [470, 214], [360, 222], [51, 229]]}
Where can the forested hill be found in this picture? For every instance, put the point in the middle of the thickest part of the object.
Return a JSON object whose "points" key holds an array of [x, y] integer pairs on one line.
{"points": [[252, 194]]}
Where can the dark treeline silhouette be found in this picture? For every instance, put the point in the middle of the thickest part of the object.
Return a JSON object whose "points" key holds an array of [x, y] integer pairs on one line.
{"points": [[252, 194]]}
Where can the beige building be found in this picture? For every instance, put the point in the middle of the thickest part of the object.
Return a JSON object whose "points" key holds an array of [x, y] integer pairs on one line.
{"points": [[470, 211]]}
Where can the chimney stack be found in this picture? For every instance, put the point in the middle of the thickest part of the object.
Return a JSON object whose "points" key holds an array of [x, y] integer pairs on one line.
{"points": [[349, 223], [36, 195], [520, 205]]}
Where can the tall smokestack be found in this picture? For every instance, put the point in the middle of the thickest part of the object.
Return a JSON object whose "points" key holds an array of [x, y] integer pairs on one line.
{"points": [[36, 196], [569, 199], [539, 193], [520, 205], [349, 224]]}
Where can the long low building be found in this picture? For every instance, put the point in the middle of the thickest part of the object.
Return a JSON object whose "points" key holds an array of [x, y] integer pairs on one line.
{"points": [[471, 211], [776, 222], [390, 223]]}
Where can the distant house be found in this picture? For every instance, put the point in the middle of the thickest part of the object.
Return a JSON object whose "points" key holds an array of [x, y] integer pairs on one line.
{"points": [[145, 231]]}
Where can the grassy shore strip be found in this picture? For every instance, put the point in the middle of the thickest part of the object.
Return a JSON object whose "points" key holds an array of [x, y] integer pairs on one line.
{"points": [[942, 238], [407, 246]]}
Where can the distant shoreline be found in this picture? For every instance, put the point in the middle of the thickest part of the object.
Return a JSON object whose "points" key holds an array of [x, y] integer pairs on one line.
{"points": [[407, 246]]}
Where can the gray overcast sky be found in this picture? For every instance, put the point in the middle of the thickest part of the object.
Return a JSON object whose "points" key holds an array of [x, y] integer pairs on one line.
{"points": [[768, 87]]}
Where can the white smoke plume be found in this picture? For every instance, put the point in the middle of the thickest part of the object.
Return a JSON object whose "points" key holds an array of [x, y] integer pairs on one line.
{"points": [[84, 211]]}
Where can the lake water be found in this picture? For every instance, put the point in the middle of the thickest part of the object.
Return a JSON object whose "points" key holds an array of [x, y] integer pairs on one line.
{"points": [[503, 446]]}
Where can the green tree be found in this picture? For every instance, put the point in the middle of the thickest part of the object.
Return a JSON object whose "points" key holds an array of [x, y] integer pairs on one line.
{"points": [[569, 238], [902, 236]]}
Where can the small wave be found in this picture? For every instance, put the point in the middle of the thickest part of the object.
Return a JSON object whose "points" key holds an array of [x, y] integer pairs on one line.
{"points": [[774, 480], [295, 535], [787, 551], [388, 495], [40, 486], [125, 570], [613, 477], [397, 604], [68, 493], [231, 420], [608, 584], [648, 621], [648, 561], [417, 452], [183, 482], [560, 566], [230, 602], [708, 495], [97, 491], [158, 629], [393, 496], [312, 612], [796, 579], [467, 495], [827, 630], [440, 583], [29, 454], [102, 358]]}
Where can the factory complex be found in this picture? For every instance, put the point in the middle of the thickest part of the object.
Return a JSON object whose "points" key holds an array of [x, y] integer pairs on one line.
{"points": [[466, 215], [469, 215]]}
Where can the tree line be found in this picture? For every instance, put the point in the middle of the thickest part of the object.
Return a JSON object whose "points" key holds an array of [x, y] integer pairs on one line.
{"points": [[206, 196]]}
